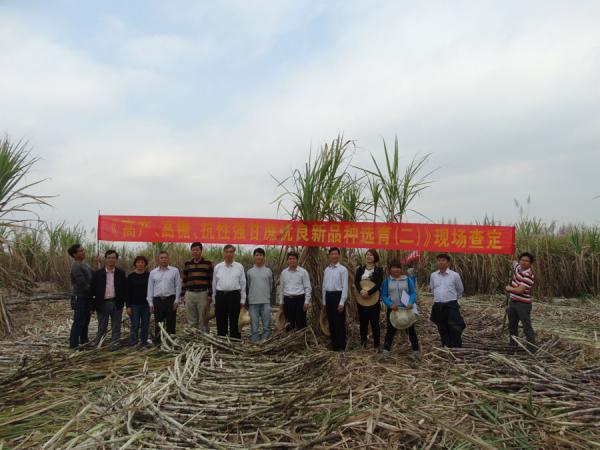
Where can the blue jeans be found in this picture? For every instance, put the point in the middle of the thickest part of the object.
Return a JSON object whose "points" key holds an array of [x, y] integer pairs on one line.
{"points": [[260, 312], [81, 320], [140, 321]]}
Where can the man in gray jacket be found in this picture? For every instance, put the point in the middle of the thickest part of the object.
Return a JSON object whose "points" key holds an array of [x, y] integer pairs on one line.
{"points": [[261, 293], [81, 277]]}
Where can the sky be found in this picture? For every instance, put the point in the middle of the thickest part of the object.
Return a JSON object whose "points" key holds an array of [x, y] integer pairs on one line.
{"points": [[192, 107]]}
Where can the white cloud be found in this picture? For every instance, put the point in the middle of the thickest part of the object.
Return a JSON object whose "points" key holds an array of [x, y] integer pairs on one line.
{"points": [[162, 51], [44, 84], [505, 98]]}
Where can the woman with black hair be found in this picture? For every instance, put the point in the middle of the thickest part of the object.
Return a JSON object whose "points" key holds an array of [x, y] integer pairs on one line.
{"points": [[138, 309], [368, 281]]}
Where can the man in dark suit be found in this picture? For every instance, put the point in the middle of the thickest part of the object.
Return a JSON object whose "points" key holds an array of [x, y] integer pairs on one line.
{"points": [[108, 293]]}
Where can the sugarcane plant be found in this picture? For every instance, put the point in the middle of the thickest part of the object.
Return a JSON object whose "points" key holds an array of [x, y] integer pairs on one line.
{"points": [[17, 201], [330, 188]]}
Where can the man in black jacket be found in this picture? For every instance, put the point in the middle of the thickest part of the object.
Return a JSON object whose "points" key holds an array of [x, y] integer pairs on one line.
{"points": [[108, 291]]}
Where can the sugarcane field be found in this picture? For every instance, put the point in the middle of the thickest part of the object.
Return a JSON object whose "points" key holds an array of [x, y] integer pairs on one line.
{"points": [[201, 391], [276, 224]]}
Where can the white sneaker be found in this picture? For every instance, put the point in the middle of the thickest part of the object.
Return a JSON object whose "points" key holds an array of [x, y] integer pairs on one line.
{"points": [[416, 355], [385, 353]]}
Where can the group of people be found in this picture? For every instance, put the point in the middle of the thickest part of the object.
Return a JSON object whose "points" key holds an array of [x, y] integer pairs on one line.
{"points": [[163, 290]]}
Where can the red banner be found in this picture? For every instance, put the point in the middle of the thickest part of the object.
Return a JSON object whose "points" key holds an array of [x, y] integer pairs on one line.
{"points": [[391, 236]]}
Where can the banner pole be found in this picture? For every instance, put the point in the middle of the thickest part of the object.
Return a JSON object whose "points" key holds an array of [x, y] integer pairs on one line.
{"points": [[98, 242]]}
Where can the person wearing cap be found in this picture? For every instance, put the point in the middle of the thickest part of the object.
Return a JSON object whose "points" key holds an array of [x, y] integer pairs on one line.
{"points": [[335, 294], [368, 281], [447, 288], [396, 287]]}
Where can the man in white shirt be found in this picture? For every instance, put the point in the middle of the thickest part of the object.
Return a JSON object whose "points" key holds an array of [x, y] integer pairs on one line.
{"points": [[164, 289], [447, 288], [229, 284], [294, 293], [335, 294]]}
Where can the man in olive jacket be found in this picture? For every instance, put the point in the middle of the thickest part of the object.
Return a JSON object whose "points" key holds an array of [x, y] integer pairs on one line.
{"points": [[108, 290]]}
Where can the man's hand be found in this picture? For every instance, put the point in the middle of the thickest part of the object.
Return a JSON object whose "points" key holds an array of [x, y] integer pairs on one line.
{"points": [[243, 305], [508, 289], [152, 309], [182, 299], [209, 298], [409, 306], [364, 294], [340, 308], [395, 307], [128, 311], [305, 307], [175, 305]]}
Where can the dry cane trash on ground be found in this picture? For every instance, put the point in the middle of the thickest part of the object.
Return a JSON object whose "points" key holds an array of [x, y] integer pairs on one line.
{"points": [[200, 391]]}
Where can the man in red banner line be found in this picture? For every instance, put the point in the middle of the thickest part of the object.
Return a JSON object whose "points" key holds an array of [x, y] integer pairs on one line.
{"points": [[519, 308], [294, 293], [229, 284], [335, 294], [447, 289], [196, 291], [164, 289]]}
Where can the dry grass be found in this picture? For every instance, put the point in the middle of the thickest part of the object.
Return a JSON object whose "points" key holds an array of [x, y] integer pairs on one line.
{"points": [[206, 392]]}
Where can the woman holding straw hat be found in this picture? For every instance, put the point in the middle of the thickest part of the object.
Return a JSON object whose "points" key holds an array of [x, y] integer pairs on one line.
{"points": [[368, 281], [399, 295]]}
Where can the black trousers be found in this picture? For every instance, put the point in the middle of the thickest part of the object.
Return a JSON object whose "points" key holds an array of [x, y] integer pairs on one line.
{"points": [[227, 312], [449, 322], [293, 308], [369, 315], [521, 312], [81, 320], [163, 313], [391, 333], [336, 319]]}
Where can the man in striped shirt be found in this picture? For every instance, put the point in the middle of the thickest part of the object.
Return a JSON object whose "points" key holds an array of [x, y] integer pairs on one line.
{"points": [[519, 308], [197, 288]]}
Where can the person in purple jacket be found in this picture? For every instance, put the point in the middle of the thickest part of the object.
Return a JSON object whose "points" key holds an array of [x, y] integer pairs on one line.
{"points": [[391, 294]]}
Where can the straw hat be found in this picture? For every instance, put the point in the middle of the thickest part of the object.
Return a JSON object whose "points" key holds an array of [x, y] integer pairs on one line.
{"points": [[280, 320], [324, 323], [244, 319], [209, 313], [402, 318], [372, 299]]}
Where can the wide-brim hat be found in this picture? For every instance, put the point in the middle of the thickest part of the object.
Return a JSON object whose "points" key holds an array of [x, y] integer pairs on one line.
{"points": [[210, 313], [280, 319], [244, 319], [403, 318], [372, 299], [324, 323]]}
